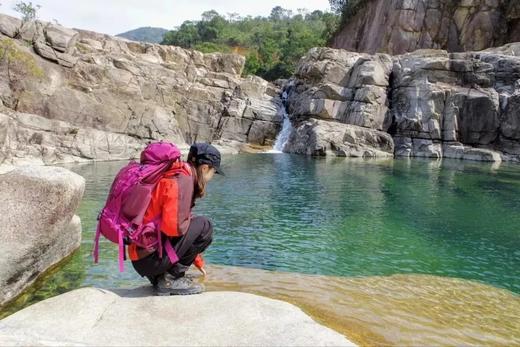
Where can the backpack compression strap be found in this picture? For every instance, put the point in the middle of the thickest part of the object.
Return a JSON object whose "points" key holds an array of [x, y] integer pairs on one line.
{"points": [[95, 250]]}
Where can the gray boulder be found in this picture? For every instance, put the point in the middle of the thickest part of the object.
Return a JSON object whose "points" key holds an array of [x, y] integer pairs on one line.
{"points": [[342, 86], [320, 138], [60, 38], [46, 51], [137, 318], [38, 227], [9, 26]]}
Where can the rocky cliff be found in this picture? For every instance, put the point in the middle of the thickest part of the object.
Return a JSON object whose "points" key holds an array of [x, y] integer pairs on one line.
{"points": [[429, 103], [400, 26], [70, 95]]}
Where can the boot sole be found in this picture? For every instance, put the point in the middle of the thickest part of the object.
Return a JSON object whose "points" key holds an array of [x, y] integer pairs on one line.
{"points": [[177, 293]]}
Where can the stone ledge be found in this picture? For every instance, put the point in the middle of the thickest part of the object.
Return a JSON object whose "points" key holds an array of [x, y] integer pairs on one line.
{"points": [[134, 317]]}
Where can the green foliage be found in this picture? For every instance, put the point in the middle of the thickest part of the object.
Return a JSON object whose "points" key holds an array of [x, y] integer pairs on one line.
{"points": [[17, 60], [253, 65], [210, 47], [186, 36], [27, 10], [347, 8], [272, 45]]}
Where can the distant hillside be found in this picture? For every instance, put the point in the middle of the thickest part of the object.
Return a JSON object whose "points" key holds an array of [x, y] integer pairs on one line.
{"points": [[146, 34], [272, 45]]}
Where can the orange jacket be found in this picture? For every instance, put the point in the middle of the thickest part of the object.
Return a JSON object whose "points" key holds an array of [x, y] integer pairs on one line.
{"points": [[173, 199]]}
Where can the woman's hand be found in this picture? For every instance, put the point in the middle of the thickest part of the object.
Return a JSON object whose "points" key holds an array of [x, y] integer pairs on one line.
{"points": [[201, 269], [199, 263]]}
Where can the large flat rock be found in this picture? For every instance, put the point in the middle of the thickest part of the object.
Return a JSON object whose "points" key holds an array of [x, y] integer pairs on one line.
{"points": [[38, 227], [92, 316]]}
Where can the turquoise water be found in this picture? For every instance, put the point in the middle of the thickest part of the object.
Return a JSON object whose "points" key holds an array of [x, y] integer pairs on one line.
{"points": [[334, 216], [360, 218]]}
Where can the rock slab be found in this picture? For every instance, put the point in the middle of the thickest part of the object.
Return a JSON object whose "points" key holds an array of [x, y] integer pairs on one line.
{"points": [[38, 227], [134, 318]]}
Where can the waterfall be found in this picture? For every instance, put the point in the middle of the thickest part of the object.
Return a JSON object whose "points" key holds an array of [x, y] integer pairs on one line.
{"points": [[283, 135]]}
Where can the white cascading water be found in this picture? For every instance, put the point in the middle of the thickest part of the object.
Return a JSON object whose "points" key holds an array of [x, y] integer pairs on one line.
{"points": [[283, 136]]}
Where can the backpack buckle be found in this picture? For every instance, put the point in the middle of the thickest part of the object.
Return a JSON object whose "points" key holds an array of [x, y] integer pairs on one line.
{"points": [[130, 229]]}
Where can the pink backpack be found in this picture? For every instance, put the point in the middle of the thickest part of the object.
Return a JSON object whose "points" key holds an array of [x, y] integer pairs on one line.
{"points": [[121, 220]]}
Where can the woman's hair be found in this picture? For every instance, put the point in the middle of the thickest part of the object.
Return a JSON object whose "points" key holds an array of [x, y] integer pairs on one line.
{"points": [[200, 182]]}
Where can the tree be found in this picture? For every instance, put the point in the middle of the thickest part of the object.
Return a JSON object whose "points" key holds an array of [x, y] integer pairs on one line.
{"points": [[27, 10], [252, 65], [347, 8], [234, 17], [211, 25], [280, 13], [209, 15], [338, 5], [272, 45], [187, 35], [331, 22]]}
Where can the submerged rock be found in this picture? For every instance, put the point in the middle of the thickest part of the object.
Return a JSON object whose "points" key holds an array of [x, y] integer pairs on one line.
{"points": [[38, 227], [137, 318]]}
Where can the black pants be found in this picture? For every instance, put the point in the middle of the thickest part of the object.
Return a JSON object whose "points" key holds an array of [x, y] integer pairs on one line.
{"points": [[195, 241]]}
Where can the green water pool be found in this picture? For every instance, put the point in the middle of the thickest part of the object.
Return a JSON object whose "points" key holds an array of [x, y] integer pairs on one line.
{"points": [[335, 216]]}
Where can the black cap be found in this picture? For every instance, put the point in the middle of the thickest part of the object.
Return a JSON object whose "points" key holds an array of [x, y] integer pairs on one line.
{"points": [[204, 153]]}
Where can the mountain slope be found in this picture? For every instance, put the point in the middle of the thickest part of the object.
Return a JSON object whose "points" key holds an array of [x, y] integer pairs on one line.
{"points": [[145, 34]]}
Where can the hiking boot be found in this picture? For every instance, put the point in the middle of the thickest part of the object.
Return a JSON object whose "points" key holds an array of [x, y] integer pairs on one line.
{"points": [[169, 285], [153, 280]]}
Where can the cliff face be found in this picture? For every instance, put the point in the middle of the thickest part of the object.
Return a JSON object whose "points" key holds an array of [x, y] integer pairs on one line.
{"points": [[400, 26], [424, 104], [101, 97]]}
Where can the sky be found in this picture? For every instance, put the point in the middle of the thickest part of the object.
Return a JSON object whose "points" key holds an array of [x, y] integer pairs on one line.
{"points": [[117, 16]]}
